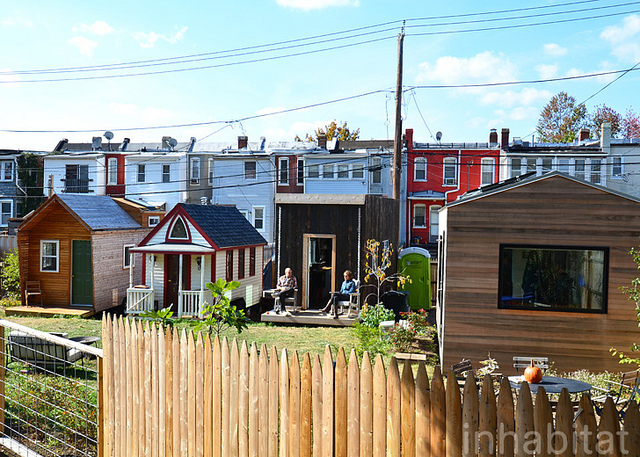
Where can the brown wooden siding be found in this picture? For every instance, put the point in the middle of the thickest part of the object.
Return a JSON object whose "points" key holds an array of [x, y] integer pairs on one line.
{"points": [[57, 225], [553, 211]]}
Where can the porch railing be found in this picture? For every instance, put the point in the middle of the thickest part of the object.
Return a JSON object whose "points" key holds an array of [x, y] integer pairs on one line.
{"points": [[191, 303], [139, 300]]}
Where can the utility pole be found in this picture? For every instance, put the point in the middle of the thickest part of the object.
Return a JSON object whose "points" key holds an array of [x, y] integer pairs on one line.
{"points": [[397, 142]]}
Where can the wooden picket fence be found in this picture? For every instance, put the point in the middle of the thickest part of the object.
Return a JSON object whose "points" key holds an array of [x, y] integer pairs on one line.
{"points": [[169, 394]]}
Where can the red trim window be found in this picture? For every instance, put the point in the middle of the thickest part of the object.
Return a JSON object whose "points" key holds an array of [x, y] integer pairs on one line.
{"points": [[252, 261], [230, 265], [241, 264]]}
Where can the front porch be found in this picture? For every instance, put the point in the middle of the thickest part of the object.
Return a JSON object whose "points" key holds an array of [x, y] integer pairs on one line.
{"points": [[141, 299], [308, 317]]}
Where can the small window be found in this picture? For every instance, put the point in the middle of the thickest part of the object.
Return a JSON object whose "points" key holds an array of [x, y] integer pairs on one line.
{"points": [[142, 172], [488, 171], [420, 216], [211, 172], [49, 252], [314, 171], [195, 170], [6, 207], [547, 164], [616, 166], [357, 171], [596, 169], [548, 278], [283, 172], [153, 221], [579, 168], [420, 169], [7, 171], [343, 171], [327, 171], [532, 165], [179, 230], [376, 170], [258, 217], [300, 172], [112, 171], [166, 172], [241, 264], [516, 167], [563, 165], [126, 256], [450, 177], [252, 261], [434, 223], [229, 268], [250, 170]]}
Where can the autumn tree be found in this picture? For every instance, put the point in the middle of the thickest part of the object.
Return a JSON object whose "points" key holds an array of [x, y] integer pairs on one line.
{"points": [[602, 114], [630, 127], [333, 131], [561, 119]]}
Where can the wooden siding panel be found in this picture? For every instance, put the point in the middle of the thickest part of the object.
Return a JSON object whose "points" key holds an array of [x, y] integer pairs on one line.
{"points": [[555, 211]]}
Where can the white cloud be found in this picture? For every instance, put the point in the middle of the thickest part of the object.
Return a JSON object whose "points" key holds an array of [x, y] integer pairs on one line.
{"points": [[554, 50], [16, 21], [97, 28], [547, 71], [510, 98], [624, 39], [148, 40], [482, 68], [84, 45], [316, 4], [519, 113], [575, 72]]}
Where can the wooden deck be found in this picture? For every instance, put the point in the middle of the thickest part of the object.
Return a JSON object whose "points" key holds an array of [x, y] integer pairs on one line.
{"points": [[308, 317], [40, 311]]}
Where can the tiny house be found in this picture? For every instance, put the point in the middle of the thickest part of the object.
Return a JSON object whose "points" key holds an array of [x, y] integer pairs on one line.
{"points": [[533, 267]]}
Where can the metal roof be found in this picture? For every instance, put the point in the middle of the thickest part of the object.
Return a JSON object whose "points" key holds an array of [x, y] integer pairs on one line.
{"points": [[99, 212]]}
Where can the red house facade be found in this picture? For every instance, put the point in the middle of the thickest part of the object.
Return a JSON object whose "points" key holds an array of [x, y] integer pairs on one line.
{"points": [[439, 173]]}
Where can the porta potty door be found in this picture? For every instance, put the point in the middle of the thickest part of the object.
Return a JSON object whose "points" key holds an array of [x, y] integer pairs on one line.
{"points": [[416, 263]]}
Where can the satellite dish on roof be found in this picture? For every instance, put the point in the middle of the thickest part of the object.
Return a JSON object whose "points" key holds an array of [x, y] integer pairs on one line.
{"points": [[438, 136], [173, 142], [108, 135]]}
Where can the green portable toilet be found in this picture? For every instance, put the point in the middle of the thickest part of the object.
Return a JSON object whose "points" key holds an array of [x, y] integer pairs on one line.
{"points": [[415, 262]]}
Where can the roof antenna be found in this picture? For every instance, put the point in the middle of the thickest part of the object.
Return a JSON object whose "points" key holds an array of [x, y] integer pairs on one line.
{"points": [[108, 135]]}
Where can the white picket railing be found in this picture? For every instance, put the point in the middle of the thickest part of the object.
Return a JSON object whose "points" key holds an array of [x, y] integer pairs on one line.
{"points": [[191, 303], [139, 300]]}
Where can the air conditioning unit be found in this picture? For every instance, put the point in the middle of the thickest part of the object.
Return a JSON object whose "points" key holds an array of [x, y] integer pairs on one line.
{"points": [[449, 181]]}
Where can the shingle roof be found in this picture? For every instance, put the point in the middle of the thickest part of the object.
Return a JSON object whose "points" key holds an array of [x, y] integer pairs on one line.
{"points": [[225, 225], [99, 212]]}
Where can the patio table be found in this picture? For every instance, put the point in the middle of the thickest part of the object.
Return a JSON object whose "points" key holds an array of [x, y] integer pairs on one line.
{"points": [[552, 384]]}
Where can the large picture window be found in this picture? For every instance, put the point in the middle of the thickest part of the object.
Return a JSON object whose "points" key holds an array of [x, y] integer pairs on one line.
{"points": [[553, 278]]}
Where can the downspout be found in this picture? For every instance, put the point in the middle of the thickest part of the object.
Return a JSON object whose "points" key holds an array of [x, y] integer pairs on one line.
{"points": [[457, 189]]}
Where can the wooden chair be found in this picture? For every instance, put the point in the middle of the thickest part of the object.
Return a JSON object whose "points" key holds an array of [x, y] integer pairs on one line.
{"points": [[462, 368], [620, 392], [32, 289], [520, 362], [293, 300], [353, 302]]}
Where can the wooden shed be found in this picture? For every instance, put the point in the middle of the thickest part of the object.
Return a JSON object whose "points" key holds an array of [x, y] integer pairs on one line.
{"points": [[534, 267], [321, 235], [75, 248]]}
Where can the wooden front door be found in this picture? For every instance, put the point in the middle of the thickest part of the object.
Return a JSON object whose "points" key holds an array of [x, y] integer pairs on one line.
{"points": [[81, 273], [172, 271]]}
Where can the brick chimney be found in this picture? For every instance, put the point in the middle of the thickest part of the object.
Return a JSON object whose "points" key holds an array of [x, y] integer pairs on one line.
{"points": [[584, 134], [493, 137], [504, 141], [243, 142], [322, 140]]}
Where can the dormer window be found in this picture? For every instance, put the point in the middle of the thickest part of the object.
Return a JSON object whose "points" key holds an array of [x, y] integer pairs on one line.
{"points": [[179, 230]]}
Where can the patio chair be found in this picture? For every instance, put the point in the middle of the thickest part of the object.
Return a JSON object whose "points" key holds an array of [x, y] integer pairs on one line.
{"points": [[293, 300], [32, 289], [353, 302], [620, 392], [521, 362]]}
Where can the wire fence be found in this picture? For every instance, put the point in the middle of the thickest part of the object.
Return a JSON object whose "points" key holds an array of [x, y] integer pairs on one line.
{"points": [[48, 392]]}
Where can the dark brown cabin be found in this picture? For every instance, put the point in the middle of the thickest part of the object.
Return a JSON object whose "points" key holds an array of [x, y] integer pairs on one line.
{"points": [[534, 268]]}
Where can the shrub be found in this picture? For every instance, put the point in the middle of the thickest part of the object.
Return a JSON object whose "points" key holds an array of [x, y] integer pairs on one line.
{"points": [[369, 339], [402, 338], [373, 315], [11, 274]]}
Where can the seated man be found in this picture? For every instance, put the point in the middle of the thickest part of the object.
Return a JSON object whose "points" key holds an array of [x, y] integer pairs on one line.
{"points": [[348, 287], [285, 288]]}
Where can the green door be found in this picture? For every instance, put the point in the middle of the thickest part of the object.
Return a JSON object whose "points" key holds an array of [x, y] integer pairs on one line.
{"points": [[81, 273], [415, 262]]}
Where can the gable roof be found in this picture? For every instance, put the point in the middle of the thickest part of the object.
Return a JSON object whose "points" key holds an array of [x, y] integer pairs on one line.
{"points": [[224, 225], [98, 212]]}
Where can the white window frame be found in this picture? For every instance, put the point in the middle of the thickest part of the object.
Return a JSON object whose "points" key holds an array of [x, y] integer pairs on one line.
{"points": [[449, 163], [126, 259], [167, 175], [619, 165], [488, 170], [328, 171], [173, 224], [422, 207], [56, 257], [8, 165], [342, 171], [112, 171], [376, 170], [153, 221], [210, 170], [250, 175], [300, 176], [142, 173], [547, 164], [10, 213], [313, 171], [516, 171], [529, 162], [283, 171], [357, 171], [256, 209], [194, 170], [580, 174], [595, 171], [434, 221], [420, 165]]}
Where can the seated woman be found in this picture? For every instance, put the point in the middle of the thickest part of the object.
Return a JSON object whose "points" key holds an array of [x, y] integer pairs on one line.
{"points": [[348, 287]]}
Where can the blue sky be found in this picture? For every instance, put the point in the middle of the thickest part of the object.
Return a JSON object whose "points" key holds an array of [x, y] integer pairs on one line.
{"points": [[71, 34]]}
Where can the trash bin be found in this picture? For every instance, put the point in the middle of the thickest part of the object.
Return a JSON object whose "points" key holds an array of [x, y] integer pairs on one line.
{"points": [[395, 301], [415, 262]]}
